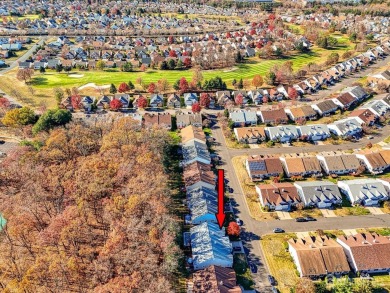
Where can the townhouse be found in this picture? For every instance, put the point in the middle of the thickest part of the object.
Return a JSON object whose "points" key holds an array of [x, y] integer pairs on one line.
{"points": [[366, 192], [320, 194]]}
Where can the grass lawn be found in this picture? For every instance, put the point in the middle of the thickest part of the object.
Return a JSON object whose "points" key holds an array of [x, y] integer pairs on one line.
{"points": [[29, 16], [315, 213], [380, 231], [244, 277], [383, 281], [250, 194], [351, 211], [279, 261]]}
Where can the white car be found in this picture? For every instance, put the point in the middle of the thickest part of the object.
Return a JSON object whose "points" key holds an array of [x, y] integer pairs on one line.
{"points": [[238, 221]]}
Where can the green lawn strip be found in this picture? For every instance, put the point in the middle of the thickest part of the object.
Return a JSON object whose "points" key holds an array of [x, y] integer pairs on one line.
{"points": [[380, 231], [279, 261], [243, 273]]}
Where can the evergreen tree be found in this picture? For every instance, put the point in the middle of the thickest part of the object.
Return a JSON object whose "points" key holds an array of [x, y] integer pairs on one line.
{"points": [[113, 89]]}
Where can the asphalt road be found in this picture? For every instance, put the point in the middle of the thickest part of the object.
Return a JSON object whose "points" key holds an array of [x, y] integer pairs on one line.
{"points": [[252, 230], [24, 57]]}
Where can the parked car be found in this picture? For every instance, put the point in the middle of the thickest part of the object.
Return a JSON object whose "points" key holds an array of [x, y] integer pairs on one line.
{"points": [[310, 219], [370, 137], [253, 268], [238, 221], [278, 230], [300, 219], [271, 280]]}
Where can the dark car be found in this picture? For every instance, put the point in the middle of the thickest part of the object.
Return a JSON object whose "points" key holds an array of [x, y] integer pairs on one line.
{"points": [[278, 230], [253, 268], [310, 219], [300, 219], [271, 280]]}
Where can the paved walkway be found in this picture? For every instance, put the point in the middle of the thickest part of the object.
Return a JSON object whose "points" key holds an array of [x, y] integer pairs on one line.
{"points": [[303, 234], [375, 210], [328, 213], [283, 215], [349, 232]]}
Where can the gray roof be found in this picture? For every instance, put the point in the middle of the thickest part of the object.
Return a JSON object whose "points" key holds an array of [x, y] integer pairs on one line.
{"points": [[195, 149], [314, 129], [208, 242], [346, 125], [202, 201], [243, 116], [365, 189], [282, 131], [319, 191]]}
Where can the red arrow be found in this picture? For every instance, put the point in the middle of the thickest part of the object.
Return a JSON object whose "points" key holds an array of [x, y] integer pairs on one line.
{"points": [[221, 205]]}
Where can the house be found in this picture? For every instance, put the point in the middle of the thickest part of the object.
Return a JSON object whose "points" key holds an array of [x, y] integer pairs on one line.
{"points": [[223, 97], [378, 107], [104, 102], [163, 120], [195, 151], [278, 196], [374, 162], [314, 132], [173, 101], [325, 108], [364, 116], [215, 279], [123, 98], [320, 194], [295, 165], [356, 91], [210, 246], [197, 175], [250, 134], [202, 202], [11, 47], [243, 117], [87, 103], [338, 163], [366, 192], [282, 134], [304, 112], [368, 253], [263, 166], [347, 127], [318, 256], [312, 166], [273, 117], [192, 132], [379, 78], [345, 101], [190, 99], [185, 119], [156, 101]]}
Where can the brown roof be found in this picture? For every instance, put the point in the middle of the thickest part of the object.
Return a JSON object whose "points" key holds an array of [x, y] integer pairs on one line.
{"points": [[196, 172], [215, 279], [385, 156], [319, 255], [304, 111], [370, 251], [375, 160], [346, 99], [295, 165], [273, 115], [311, 164], [365, 114], [267, 164], [277, 193], [159, 119], [191, 132], [350, 161], [250, 132], [273, 165]]}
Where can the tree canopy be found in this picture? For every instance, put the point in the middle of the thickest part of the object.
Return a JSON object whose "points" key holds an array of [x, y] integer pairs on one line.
{"points": [[88, 212]]}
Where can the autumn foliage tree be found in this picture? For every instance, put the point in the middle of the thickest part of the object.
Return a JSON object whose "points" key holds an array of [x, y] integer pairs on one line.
{"points": [[25, 74], [142, 102], [89, 212], [257, 81], [196, 108], [183, 85], [204, 100], [239, 99], [123, 87], [115, 104], [152, 88], [292, 93], [233, 229], [76, 101]]}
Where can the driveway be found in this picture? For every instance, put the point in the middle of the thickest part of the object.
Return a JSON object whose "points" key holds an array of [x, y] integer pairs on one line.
{"points": [[375, 210], [283, 215], [328, 213]]}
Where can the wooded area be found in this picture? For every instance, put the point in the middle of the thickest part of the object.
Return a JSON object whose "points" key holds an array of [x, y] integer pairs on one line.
{"points": [[89, 212]]}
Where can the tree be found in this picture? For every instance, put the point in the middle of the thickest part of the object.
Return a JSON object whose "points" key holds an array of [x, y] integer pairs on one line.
{"points": [[4, 103], [113, 89], [301, 47], [162, 85], [24, 74], [353, 37], [58, 94], [292, 93], [257, 81], [233, 229], [131, 85], [239, 99], [270, 78], [142, 102], [59, 68], [152, 88], [234, 83], [240, 84], [197, 76], [171, 64], [42, 69], [172, 53], [342, 285], [143, 68], [127, 67], [179, 64], [187, 62], [305, 285], [51, 119], [204, 100], [115, 105], [76, 101], [123, 87], [100, 65], [19, 117], [183, 85], [196, 108]]}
